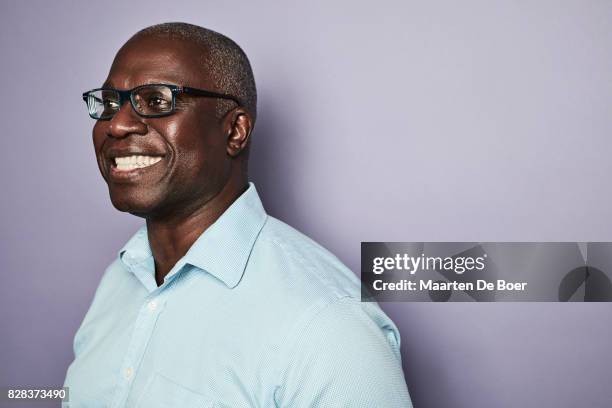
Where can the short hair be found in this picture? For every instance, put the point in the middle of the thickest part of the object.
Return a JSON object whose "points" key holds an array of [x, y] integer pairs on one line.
{"points": [[227, 66]]}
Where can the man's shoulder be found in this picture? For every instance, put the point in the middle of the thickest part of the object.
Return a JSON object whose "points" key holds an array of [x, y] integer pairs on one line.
{"points": [[307, 289], [291, 261]]}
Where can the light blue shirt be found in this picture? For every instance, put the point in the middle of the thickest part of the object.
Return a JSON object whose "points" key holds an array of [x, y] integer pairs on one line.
{"points": [[254, 315]]}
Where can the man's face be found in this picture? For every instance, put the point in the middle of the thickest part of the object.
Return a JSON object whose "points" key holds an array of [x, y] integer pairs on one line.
{"points": [[194, 165]]}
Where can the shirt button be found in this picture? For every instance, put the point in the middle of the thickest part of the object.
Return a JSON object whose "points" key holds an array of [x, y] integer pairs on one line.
{"points": [[128, 373], [152, 305]]}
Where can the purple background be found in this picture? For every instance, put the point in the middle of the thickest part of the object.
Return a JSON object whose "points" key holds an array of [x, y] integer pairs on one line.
{"points": [[385, 121]]}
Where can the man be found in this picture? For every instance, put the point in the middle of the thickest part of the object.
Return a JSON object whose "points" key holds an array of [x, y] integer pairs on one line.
{"points": [[213, 303]]}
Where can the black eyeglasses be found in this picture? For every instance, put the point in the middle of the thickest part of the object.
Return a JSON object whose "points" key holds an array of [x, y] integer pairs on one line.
{"points": [[149, 101]]}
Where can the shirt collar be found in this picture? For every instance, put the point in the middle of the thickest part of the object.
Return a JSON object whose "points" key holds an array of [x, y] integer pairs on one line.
{"points": [[222, 250]]}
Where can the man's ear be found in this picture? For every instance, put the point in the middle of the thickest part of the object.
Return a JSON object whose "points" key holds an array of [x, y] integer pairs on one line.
{"points": [[240, 125]]}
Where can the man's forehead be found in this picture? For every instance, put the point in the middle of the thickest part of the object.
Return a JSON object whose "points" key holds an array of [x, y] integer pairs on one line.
{"points": [[153, 60]]}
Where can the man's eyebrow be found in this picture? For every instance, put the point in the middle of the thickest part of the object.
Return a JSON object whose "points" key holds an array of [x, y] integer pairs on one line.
{"points": [[108, 84]]}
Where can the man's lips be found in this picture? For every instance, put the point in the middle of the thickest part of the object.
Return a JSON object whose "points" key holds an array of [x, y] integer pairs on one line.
{"points": [[133, 167], [127, 163]]}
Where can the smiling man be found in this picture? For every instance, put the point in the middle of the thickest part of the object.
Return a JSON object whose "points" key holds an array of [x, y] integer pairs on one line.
{"points": [[213, 303]]}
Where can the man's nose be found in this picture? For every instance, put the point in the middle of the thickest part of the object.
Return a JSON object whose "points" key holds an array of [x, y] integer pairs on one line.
{"points": [[125, 122]]}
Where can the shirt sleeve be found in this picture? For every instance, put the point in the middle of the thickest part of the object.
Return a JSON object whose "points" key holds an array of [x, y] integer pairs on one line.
{"points": [[347, 355]]}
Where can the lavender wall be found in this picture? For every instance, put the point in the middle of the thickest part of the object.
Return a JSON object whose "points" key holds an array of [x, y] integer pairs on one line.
{"points": [[405, 121]]}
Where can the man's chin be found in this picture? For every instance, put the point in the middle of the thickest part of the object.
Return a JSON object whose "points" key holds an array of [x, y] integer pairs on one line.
{"points": [[140, 208]]}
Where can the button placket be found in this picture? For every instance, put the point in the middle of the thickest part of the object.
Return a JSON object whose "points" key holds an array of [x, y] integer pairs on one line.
{"points": [[143, 330]]}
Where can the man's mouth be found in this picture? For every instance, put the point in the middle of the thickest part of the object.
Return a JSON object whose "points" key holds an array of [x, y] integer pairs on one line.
{"points": [[128, 163], [135, 168]]}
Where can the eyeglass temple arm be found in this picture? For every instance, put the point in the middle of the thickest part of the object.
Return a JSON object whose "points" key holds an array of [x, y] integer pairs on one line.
{"points": [[201, 92]]}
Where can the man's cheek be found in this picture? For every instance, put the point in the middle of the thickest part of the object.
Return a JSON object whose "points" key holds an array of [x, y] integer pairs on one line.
{"points": [[98, 141]]}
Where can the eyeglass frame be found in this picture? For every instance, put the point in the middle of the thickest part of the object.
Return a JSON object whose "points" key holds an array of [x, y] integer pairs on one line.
{"points": [[175, 89]]}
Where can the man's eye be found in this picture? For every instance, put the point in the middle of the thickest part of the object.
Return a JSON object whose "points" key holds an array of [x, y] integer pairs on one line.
{"points": [[158, 102], [110, 104]]}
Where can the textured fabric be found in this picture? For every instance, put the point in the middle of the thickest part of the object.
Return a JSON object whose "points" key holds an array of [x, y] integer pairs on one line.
{"points": [[254, 315]]}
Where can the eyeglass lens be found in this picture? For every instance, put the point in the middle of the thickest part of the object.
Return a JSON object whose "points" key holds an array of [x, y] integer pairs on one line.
{"points": [[148, 100]]}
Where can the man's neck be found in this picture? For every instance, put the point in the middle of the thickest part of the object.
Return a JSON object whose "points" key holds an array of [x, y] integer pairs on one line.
{"points": [[171, 238]]}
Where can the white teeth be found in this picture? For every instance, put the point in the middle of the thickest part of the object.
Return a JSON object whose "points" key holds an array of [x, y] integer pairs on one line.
{"points": [[135, 162]]}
